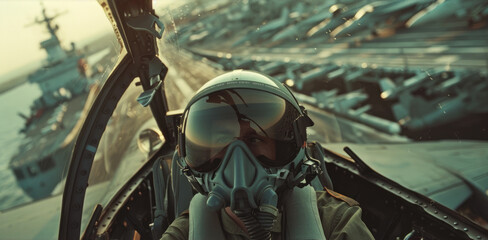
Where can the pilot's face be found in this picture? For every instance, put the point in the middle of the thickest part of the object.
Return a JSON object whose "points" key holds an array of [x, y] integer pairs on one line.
{"points": [[259, 144]]}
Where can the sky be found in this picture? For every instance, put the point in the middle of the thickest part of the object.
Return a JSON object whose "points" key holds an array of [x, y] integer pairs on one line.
{"points": [[20, 44]]}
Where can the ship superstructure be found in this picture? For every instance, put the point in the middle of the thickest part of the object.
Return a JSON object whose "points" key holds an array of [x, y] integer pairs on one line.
{"points": [[63, 73]]}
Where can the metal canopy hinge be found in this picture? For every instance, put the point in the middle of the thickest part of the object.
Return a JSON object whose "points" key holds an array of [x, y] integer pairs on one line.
{"points": [[147, 96], [157, 71], [146, 22]]}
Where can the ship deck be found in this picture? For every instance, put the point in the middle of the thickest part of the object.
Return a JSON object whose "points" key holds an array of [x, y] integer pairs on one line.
{"points": [[47, 134]]}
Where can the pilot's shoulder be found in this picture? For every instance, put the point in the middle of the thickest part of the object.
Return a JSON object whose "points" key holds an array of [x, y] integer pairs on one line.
{"points": [[179, 228], [330, 197]]}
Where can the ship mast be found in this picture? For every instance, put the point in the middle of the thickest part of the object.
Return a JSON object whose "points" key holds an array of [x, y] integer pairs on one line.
{"points": [[48, 20], [55, 53], [62, 75]]}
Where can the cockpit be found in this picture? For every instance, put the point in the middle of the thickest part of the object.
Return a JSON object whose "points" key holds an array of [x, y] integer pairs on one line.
{"points": [[396, 92]]}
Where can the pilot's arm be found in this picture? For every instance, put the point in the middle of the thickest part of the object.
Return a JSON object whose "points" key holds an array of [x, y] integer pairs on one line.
{"points": [[178, 230], [341, 217]]}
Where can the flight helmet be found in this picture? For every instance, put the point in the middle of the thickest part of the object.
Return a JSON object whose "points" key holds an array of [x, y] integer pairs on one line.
{"points": [[241, 125]]}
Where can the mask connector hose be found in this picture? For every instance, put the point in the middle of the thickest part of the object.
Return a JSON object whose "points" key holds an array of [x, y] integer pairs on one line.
{"points": [[267, 216], [254, 228]]}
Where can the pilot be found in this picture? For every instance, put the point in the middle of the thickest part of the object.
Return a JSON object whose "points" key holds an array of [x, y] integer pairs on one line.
{"points": [[242, 146]]}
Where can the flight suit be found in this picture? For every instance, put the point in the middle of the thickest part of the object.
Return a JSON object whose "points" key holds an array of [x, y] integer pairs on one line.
{"points": [[340, 216]]}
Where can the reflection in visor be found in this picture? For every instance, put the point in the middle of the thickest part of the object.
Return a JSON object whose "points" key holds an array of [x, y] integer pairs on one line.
{"points": [[262, 120]]}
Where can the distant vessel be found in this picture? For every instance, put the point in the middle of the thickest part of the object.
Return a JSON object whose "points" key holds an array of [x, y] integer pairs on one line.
{"points": [[52, 125]]}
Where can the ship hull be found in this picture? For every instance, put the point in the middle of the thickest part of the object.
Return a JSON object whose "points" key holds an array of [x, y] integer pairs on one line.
{"points": [[41, 184], [39, 165]]}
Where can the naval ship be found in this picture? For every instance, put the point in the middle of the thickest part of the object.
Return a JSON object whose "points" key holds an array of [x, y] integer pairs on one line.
{"points": [[52, 125]]}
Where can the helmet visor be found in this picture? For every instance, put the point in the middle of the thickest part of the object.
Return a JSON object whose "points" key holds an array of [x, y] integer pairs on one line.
{"points": [[262, 120]]}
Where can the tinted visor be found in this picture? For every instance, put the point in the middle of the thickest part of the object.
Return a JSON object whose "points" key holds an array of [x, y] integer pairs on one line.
{"points": [[262, 120]]}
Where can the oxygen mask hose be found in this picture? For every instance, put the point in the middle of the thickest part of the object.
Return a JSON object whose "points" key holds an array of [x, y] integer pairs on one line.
{"points": [[266, 216], [268, 212], [254, 228], [260, 221]]}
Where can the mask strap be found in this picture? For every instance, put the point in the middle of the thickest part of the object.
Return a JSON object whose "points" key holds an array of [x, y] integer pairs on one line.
{"points": [[301, 174], [193, 180]]}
